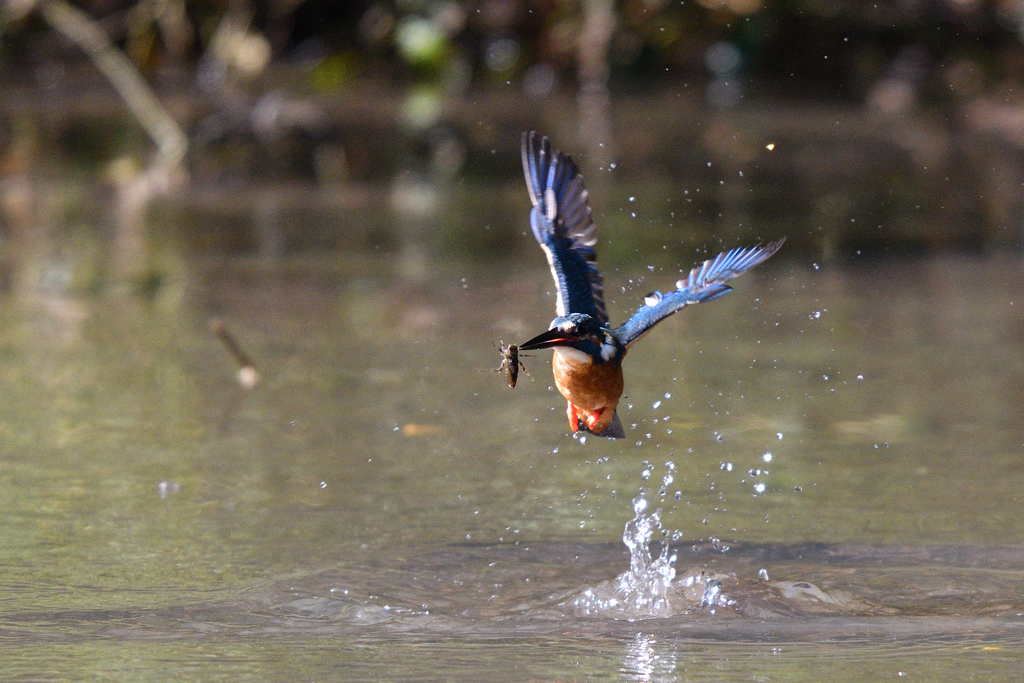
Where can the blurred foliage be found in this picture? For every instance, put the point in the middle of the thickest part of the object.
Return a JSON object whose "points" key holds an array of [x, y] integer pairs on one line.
{"points": [[835, 48]]}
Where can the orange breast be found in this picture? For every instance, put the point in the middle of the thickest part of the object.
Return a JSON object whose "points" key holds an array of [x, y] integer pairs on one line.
{"points": [[587, 385]]}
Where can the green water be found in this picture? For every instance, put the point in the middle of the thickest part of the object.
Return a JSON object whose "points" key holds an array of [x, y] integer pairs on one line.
{"points": [[383, 507]]}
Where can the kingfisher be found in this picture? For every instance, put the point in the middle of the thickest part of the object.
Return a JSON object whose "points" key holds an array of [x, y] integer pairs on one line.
{"points": [[588, 352]]}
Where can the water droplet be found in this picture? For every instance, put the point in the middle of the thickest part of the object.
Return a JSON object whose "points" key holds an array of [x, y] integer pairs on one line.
{"points": [[816, 266], [759, 487], [726, 466], [825, 377], [668, 395], [646, 474], [632, 199], [718, 437], [679, 495], [168, 488], [860, 378], [639, 505], [779, 434], [657, 404], [762, 574], [767, 457], [323, 484]]}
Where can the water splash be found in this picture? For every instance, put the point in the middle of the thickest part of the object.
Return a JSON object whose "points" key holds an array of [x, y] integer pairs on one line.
{"points": [[647, 589]]}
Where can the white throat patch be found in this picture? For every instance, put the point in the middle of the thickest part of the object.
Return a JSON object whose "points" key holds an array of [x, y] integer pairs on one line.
{"points": [[572, 356]]}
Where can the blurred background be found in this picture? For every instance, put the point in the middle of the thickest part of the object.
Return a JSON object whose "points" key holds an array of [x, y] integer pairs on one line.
{"points": [[291, 127]]}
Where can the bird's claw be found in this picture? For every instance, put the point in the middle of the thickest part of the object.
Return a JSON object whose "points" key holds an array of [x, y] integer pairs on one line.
{"points": [[590, 420]]}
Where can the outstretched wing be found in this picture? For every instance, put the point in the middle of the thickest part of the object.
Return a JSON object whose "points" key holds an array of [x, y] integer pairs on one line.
{"points": [[705, 282], [563, 226]]}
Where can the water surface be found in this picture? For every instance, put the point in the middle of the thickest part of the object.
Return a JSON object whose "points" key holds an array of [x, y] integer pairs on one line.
{"points": [[383, 506]]}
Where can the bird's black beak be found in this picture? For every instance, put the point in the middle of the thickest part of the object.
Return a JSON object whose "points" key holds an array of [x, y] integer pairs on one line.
{"points": [[553, 337]]}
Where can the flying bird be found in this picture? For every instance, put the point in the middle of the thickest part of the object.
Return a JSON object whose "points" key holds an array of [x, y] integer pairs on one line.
{"points": [[588, 352]]}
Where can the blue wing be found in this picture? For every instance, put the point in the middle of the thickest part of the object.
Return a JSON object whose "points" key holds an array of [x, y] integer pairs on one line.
{"points": [[705, 282], [563, 226]]}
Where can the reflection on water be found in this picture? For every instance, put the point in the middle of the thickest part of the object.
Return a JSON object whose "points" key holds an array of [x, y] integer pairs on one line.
{"points": [[648, 661]]}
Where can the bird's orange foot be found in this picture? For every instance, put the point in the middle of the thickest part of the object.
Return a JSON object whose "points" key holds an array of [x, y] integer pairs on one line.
{"points": [[574, 420], [594, 418]]}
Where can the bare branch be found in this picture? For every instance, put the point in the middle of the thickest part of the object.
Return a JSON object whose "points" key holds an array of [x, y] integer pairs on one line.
{"points": [[80, 28]]}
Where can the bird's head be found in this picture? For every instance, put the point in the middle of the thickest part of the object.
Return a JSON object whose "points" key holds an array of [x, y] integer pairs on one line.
{"points": [[581, 332]]}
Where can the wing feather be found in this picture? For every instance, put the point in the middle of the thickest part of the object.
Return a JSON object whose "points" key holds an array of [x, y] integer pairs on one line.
{"points": [[562, 223], [704, 283]]}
